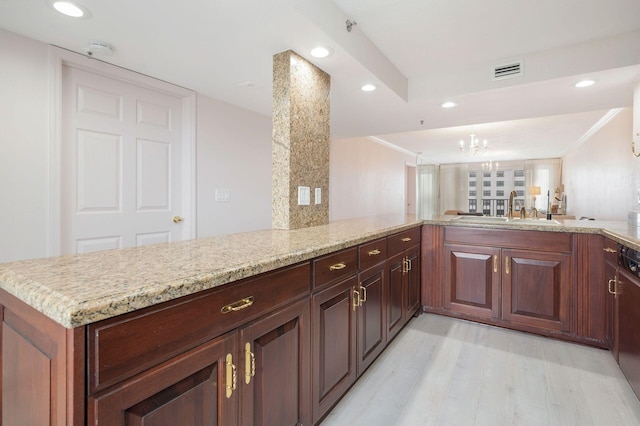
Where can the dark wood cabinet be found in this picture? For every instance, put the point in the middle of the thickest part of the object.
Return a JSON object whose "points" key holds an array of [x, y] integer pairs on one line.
{"points": [[278, 348], [371, 316], [472, 280], [404, 273], [41, 368], [612, 307], [275, 367], [414, 275], [354, 316], [395, 304], [334, 344], [192, 374], [194, 388], [522, 280], [536, 289]]}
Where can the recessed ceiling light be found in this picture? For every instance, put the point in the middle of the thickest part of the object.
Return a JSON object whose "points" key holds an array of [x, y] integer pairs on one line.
{"points": [[368, 88], [584, 83], [321, 52], [71, 9], [448, 104]]}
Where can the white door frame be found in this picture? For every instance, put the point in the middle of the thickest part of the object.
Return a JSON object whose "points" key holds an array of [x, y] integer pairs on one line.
{"points": [[59, 57]]}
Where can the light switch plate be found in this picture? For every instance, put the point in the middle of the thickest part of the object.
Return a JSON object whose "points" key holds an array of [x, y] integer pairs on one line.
{"points": [[304, 196], [223, 195], [318, 196]]}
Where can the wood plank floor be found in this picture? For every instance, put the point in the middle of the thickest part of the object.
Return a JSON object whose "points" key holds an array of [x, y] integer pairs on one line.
{"points": [[444, 371]]}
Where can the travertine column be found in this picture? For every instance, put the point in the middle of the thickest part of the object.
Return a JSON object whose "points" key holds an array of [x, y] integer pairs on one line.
{"points": [[301, 137]]}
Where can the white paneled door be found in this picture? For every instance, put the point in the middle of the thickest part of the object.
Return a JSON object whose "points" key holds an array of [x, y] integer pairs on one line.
{"points": [[121, 177]]}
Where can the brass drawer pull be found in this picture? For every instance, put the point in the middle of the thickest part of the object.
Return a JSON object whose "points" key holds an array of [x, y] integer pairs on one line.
{"points": [[363, 297], [238, 306], [249, 363], [609, 250], [374, 252], [615, 286], [337, 266], [232, 376], [406, 240]]}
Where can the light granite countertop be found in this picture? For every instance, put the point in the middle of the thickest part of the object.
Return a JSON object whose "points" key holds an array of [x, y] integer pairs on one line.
{"points": [[618, 231], [82, 289]]}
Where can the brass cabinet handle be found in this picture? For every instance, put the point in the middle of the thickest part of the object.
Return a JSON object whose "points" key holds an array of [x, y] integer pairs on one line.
{"points": [[405, 266], [249, 363], [177, 219], [495, 263], [356, 299], [615, 286], [406, 240], [506, 264], [374, 252], [409, 265], [609, 250], [363, 296], [237, 306], [232, 376], [337, 266]]}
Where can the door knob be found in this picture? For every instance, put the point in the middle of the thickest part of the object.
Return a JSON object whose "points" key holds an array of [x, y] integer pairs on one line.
{"points": [[177, 219]]}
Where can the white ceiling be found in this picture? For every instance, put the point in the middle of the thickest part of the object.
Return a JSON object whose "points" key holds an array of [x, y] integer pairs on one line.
{"points": [[418, 52]]}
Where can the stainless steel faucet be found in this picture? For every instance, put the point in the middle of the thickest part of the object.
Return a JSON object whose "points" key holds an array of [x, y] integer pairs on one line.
{"points": [[511, 197]]}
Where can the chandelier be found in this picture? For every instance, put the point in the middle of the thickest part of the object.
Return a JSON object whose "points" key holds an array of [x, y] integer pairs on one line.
{"points": [[474, 145]]}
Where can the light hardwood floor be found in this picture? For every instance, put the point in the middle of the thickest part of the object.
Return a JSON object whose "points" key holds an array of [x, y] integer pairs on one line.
{"points": [[444, 371]]}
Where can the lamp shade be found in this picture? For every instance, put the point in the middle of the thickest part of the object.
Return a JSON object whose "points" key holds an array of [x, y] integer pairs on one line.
{"points": [[534, 190]]}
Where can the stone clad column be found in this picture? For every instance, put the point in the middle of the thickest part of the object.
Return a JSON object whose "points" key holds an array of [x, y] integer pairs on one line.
{"points": [[301, 138]]}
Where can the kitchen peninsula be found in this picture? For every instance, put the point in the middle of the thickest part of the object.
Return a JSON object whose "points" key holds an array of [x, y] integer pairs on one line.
{"points": [[121, 333]]}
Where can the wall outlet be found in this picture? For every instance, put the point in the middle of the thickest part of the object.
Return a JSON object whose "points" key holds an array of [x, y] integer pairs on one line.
{"points": [[304, 196], [318, 196]]}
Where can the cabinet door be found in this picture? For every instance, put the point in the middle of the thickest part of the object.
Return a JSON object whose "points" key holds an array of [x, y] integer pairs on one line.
{"points": [[395, 296], [195, 388], [413, 282], [334, 350], [611, 306], [536, 289], [276, 369], [472, 280], [372, 327]]}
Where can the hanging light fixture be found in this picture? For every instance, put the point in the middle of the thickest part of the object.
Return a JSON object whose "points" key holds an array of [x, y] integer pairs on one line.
{"points": [[474, 145]]}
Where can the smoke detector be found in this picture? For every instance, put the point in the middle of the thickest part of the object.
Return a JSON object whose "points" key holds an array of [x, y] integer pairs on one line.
{"points": [[98, 48]]}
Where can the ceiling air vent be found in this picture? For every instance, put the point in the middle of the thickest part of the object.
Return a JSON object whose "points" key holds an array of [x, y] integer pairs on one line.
{"points": [[512, 69]]}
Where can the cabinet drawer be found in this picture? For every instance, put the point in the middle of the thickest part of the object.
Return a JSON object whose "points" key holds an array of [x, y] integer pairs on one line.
{"points": [[372, 253], [128, 344], [335, 266], [396, 243], [610, 251]]}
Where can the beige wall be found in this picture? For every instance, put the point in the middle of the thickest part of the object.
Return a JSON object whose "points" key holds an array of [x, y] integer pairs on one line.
{"points": [[234, 153], [24, 148], [366, 179], [601, 177]]}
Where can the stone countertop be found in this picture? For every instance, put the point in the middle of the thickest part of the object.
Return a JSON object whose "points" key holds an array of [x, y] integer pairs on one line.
{"points": [[618, 231], [81, 289]]}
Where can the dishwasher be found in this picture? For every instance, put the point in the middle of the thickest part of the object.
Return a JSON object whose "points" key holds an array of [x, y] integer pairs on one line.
{"points": [[628, 295]]}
